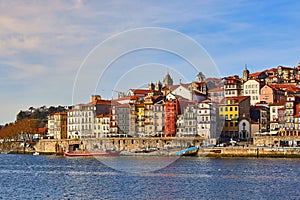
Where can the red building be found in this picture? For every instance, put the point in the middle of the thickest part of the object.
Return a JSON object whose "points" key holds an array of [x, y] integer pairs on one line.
{"points": [[171, 111]]}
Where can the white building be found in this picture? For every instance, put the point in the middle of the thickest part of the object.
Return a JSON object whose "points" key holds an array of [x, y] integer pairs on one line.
{"points": [[179, 126], [206, 121], [252, 88], [190, 120], [50, 125], [81, 119], [274, 118], [102, 126], [245, 129]]}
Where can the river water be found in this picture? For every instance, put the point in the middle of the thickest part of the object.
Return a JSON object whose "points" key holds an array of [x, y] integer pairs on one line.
{"points": [[50, 177]]}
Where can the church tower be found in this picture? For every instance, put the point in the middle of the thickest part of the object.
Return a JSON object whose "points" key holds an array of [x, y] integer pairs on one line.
{"points": [[200, 77], [245, 74], [167, 80]]}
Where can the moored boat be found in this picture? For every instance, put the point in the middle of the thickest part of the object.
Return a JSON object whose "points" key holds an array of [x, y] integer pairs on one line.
{"points": [[191, 151], [88, 153]]}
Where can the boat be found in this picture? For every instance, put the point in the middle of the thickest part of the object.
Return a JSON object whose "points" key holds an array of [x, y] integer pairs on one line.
{"points": [[134, 153], [191, 151], [88, 153], [36, 153]]}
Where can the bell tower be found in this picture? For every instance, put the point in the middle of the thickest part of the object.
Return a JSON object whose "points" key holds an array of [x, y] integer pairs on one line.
{"points": [[245, 74]]}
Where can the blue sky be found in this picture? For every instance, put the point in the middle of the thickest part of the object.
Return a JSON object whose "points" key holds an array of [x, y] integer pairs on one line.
{"points": [[43, 43]]}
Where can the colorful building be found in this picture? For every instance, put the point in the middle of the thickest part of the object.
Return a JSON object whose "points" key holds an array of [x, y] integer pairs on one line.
{"points": [[231, 110], [170, 116], [271, 94], [232, 86]]}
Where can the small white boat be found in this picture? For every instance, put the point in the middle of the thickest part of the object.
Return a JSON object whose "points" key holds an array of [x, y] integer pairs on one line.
{"points": [[36, 153]]}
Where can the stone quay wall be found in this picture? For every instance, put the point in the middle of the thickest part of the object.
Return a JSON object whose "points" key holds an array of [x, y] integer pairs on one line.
{"points": [[57, 145], [280, 152], [269, 140]]}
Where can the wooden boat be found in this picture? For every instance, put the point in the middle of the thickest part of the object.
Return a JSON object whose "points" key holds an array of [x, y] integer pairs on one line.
{"points": [[87, 153]]}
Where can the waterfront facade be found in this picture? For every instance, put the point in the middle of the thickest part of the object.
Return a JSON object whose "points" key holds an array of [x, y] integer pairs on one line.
{"points": [[231, 111], [102, 126], [82, 117], [263, 102], [207, 121], [57, 125]]}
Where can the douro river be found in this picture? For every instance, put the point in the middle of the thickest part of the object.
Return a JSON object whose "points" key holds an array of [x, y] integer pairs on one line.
{"points": [[51, 177]]}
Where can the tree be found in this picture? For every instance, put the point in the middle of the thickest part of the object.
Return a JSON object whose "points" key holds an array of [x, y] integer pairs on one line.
{"points": [[22, 115], [31, 109]]}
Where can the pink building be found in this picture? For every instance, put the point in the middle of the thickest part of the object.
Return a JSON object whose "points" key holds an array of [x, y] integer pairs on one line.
{"points": [[271, 94]]}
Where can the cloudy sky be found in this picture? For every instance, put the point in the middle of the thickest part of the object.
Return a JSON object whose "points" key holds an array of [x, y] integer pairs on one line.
{"points": [[47, 47]]}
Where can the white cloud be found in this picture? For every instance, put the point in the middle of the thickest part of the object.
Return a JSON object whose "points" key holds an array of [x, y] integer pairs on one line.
{"points": [[46, 41]]}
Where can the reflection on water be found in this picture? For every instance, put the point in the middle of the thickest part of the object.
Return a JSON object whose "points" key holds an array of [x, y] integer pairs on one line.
{"points": [[137, 164], [44, 177]]}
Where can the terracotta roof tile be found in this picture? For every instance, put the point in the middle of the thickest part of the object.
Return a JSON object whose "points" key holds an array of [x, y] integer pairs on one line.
{"points": [[255, 74]]}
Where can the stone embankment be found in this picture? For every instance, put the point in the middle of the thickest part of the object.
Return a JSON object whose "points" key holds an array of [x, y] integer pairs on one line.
{"points": [[123, 144], [278, 152], [128, 144]]}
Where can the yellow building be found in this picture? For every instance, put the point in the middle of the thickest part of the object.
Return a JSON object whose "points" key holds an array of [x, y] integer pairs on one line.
{"points": [[140, 118], [232, 110]]}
